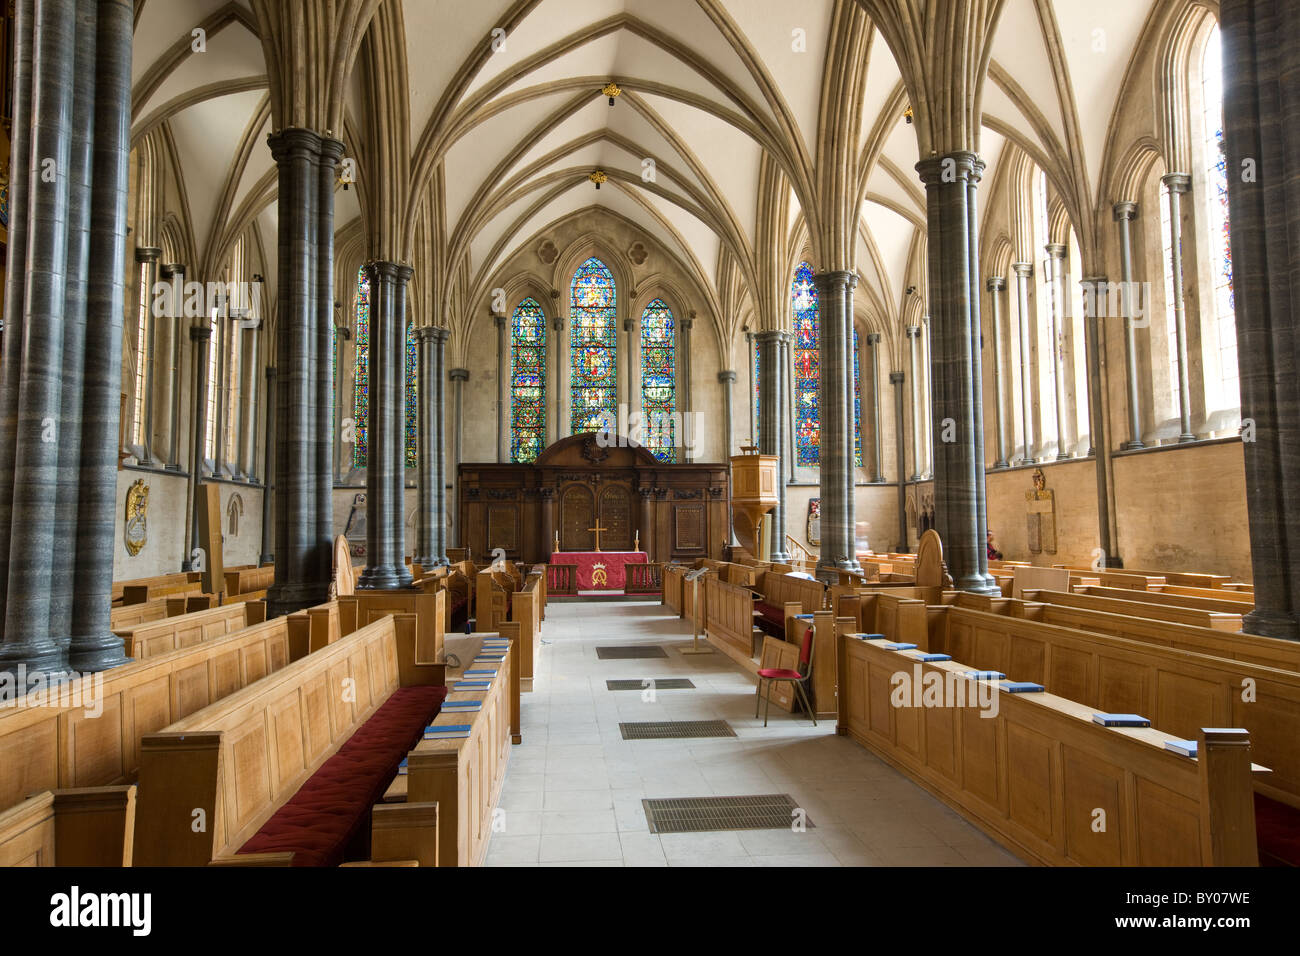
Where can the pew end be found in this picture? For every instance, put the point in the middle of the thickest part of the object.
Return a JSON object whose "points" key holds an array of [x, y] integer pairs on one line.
{"points": [[84, 827], [400, 832]]}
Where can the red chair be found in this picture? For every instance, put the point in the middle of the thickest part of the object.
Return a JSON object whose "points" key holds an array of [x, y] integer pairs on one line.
{"points": [[772, 675]]}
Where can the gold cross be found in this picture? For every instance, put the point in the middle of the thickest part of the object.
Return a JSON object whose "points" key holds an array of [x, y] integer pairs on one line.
{"points": [[598, 529]]}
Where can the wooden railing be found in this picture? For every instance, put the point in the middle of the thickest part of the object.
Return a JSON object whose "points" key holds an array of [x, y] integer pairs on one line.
{"points": [[644, 578], [562, 578]]}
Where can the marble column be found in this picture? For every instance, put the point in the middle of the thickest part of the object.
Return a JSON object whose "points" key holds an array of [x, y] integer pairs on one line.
{"points": [[385, 487], [326, 422], [221, 388], [432, 497], [248, 366], [503, 374], [299, 582], [175, 273], [343, 407], [1056, 283], [200, 337], [835, 405], [1176, 185], [877, 464], [1097, 417], [146, 257], [897, 380], [1024, 272], [772, 385], [1261, 103], [727, 378], [267, 555], [32, 444], [632, 338], [955, 365], [913, 333], [1125, 213], [563, 411], [753, 386], [459, 376], [996, 285], [687, 437], [94, 646], [547, 496]]}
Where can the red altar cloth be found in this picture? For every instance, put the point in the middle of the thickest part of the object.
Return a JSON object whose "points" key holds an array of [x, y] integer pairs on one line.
{"points": [[600, 570]]}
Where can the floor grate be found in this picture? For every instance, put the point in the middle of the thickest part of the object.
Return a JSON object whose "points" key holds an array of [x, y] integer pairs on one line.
{"points": [[672, 729], [772, 811], [630, 652], [651, 683]]}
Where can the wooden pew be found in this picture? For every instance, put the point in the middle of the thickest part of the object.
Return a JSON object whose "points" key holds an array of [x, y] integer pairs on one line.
{"points": [[1178, 690], [463, 777], [91, 826], [1159, 598], [781, 596], [492, 590], [785, 654], [672, 594], [240, 759], [249, 584], [1035, 774], [186, 630], [729, 619], [159, 584], [427, 601], [526, 611], [129, 615], [1215, 620], [1246, 598], [89, 735]]}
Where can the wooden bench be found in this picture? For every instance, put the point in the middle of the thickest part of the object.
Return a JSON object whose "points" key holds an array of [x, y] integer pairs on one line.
{"points": [[672, 584], [249, 584], [1035, 774], [161, 585], [91, 826], [492, 590], [1245, 598], [186, 630], [1159, 598], [526, 611], [1178, 690], [129, 615], [464, 776], [427, 601], [778, 592], [1214, 620], [784, 654], [728, 618], [90, 736], [237, 762]]}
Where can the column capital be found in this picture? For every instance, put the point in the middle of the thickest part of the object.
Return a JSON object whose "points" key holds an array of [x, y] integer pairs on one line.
{"points": [[1023, 270], [389, 270], [147, 253], [629, 324], [331, 151], [200, 333], [294, 142], [459, 375], [960, 165], [1125, 210], [1176, 182], [996, 283], [499, 321], [686, 324], [1055, 250], [171, 270], [270, 373], [771, 336], [726, 377], [1093, 280], [432, 333], [913, 331], [896, 378], [557, 324], [826, 281], [873, 339]]}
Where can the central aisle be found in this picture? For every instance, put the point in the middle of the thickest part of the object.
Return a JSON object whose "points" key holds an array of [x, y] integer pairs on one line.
{"points": [[573, 792]]}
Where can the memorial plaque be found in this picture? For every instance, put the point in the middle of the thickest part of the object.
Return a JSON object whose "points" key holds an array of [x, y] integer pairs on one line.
{"points": [[616, 518], [577, 515], [503, 525], [689, 527]]}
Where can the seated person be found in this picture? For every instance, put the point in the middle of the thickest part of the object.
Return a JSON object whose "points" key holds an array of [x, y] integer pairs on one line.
{"points": [[994, 553]]}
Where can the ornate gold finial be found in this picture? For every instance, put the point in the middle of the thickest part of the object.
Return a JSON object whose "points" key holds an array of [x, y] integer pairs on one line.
{"points": [[907, 114], [598, 176], [611, 90]]}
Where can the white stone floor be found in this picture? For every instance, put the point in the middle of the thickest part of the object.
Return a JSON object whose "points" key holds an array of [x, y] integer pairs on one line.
{"points": [[573, 791]]}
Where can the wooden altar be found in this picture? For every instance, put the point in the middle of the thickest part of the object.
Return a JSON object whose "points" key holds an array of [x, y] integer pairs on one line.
{"points": [[680, 510]]}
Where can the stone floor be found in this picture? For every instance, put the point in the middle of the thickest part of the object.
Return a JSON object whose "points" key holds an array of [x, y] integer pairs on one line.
{"points": [[572, 795]]}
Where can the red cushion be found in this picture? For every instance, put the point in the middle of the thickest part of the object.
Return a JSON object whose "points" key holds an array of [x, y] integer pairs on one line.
{"points": [[779, 673], [332, 808], [770, 613]]}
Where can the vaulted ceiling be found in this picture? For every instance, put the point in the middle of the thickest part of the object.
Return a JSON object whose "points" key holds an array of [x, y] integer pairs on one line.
{"points": [[505, 126]]}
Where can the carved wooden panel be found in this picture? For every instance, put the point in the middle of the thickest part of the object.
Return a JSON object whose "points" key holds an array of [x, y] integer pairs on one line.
{"points": [[503, 527], [577, 511], [688, 527], [616, 518]]}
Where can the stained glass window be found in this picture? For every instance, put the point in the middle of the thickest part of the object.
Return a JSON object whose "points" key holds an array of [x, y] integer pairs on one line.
{"points": [[527, 381], [593, 348], [659, 379], [757, 419], [857, 404], [361, 388], [807, 367], [412, 365], [1216, 189]]}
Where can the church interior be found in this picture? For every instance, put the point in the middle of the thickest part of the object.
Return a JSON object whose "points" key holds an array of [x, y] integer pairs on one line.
{"points": [[428, 428]]}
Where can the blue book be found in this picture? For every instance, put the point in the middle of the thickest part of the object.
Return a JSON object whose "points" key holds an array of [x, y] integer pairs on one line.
{"points": [[472, 685], [931, 658], [900, 647], [460, 704], [495, 658], [402, 768], [489, 673], [985, 675], [448, 730], [1021, 687], [462, 710], [1185, 747], [1120, 720], [802, 617]]}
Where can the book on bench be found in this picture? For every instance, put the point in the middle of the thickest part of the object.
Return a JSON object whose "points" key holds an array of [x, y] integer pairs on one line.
{"points": [[930, 658], [984, 675], [489, 659], [482, 672], [1021, 687], [463, 705], [1120, 720], [1186, 748], [900, 647], [402, 769], [447, 732], [471, 684]]}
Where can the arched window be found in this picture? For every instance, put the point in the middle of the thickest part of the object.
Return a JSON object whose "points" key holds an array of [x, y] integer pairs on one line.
{"points": [[527, 381], [807, 367], [361, 387], [857, 403], [1216, 197], [593, 348], [1047, 370], [659, 379]]}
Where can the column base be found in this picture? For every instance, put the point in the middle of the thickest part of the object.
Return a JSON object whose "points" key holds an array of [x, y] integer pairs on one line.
{"points": [[384, 578], [1063, 457], [285, 599], [1266, 624], [30, 663], [1028, 461], [97, 653], [1186, 437], [173, 468], [1133, 445], [1000, 463], [878, 479], [264, 559]]}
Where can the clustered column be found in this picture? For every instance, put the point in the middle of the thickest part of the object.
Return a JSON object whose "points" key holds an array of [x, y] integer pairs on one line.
{"points": [[897, 379], [918, 423], [878, 469], [996, 285], [772, 387], [1056, 283], [1176, 184], [1024, 272], [432, 548], [459, 376], [61, 373], [835, 403], [1125, 213], [954, 309], [386, 446], [727, 378]]}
